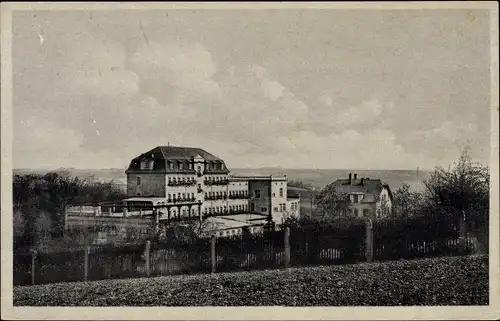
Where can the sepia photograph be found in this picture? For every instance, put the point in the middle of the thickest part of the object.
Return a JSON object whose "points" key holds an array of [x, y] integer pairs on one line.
{"points": [[250, 156]]}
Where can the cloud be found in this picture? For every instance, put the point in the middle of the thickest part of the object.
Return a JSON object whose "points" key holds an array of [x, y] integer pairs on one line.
{"points": [[272, 89], [186, 69], [104, 95], [326, 100], [51, 146], [367, 111]]}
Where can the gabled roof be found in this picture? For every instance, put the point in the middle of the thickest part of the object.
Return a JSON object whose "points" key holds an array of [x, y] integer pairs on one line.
{"points": [[163, 154], [370, 186]]}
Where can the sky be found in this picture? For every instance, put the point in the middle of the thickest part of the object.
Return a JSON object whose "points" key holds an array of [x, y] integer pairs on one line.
{"points": [[339, 89]]}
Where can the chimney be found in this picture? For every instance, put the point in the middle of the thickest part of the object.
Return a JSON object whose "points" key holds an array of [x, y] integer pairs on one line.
{"points": [[350, 178], [355, 176], [362, 181]]}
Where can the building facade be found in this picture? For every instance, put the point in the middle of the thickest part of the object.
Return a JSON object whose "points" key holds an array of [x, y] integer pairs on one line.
{"points": [[370, 198], [200, 184], [170, 183]]}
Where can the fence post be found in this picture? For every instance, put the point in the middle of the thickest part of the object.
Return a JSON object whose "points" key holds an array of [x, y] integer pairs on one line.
{"points": [[33, 266], [212, 253], [146, 257], [287, 247], [369, 240], [462, 237], [86, 263]]}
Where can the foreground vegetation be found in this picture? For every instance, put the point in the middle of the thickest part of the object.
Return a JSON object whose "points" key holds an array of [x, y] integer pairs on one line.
{"points": [[438, 281]]}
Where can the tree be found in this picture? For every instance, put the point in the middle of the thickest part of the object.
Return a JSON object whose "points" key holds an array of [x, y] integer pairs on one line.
{"points": [[462, 190], [463, 187], [406, 202], [331, 203], [40, 199]]}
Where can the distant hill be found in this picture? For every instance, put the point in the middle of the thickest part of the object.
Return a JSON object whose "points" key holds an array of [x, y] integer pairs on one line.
{"points": [[315, 177], [319, 178]]}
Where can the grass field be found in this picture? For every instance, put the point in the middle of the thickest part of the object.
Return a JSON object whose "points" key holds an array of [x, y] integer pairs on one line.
{"points": [[438, 281]]}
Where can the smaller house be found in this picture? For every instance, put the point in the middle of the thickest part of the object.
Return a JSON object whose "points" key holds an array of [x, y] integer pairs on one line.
{"points": [[368, 197]]}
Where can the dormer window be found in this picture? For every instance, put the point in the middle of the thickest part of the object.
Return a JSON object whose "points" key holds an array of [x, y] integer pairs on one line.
{"points": [[181, 166], [143, 164], [170, 165], [151, 164]]}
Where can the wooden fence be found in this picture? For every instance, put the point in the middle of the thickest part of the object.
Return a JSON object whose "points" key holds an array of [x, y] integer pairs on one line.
{"points": [[316, 244]]}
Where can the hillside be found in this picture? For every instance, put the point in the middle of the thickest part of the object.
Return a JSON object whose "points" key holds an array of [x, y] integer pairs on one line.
{"points": [[438, 281]]}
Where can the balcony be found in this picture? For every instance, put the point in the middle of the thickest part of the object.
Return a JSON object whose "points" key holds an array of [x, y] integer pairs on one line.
{"points": [[237, 196], [216, 197], [216, 183], [181, 200], [190, 182]]}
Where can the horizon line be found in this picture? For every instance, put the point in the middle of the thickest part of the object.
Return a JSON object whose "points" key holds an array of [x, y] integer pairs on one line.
{"points": [[239, 168]]}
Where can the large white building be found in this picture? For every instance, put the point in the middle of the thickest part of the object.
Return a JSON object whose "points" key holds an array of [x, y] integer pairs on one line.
{"points": [[194, 182], [182, 183]]}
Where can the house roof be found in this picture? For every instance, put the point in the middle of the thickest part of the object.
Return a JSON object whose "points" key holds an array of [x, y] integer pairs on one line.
{"points": [[370, 186], [163, 154], [187, 153]]}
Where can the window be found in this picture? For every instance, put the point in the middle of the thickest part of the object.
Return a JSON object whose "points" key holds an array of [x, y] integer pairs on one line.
{"points": [[181, 165], [192, 195], [138, 180], [257, 193], [263, 209], [281, 191], [275, 209], [190, 165], [355, 198], [281, 207], [169, 196], [199, 168], [170, 165]]}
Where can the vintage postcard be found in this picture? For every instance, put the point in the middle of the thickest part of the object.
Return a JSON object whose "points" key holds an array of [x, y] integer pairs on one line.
{"points": [[244, 161]]}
